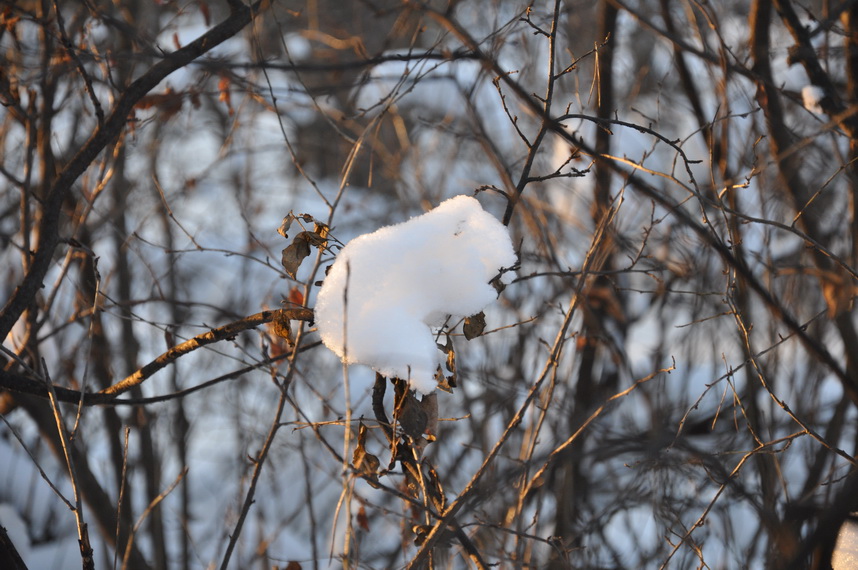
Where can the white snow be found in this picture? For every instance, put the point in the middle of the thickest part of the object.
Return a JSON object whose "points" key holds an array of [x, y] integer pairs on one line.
{"points": [[402, 280], [846, 550], [811, 95]]}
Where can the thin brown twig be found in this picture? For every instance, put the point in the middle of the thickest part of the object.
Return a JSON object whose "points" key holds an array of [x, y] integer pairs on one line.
{"points": [[225, 332], [723, 486], [551, 362], [259, 460], [149, 508], [106, 133], [32, 385], [596, 413], [746, 339], [82, 531], [121, 499], [70, 50], [37, 464]]}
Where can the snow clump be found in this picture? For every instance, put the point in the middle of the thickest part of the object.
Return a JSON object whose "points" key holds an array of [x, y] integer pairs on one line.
{"points": [[400, 281]]}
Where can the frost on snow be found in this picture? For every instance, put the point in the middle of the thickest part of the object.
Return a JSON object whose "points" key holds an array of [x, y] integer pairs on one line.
{"points": [[400, 281]]}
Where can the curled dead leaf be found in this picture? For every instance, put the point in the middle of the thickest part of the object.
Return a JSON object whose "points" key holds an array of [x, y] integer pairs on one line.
{"points": [[285, 224], [281, 326], [362, 519], [365, 462], [294, 254], [474, 325]]}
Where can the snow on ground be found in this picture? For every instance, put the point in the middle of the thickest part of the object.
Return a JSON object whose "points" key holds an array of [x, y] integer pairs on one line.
{"points": [[846, 552], [400, 281]]}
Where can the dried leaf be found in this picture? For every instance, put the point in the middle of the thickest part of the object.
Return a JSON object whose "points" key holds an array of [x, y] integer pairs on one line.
{"points": [[447, 383], [838, 292], [224, 96], [429, 404], [167, 103], [421, 531], [294, 254], [281, 327], [604, 298], [474, 326], [296, 297], [314, 238], [411, 416], [8, 21], [366, 463], [362, 519], [285, 224], [434, 488], [204, 10], [321, 230], [411, 483], [292, 565]]}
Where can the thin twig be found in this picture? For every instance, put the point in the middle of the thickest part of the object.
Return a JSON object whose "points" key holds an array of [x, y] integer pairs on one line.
{"points": [[551, 362], [226, 332], [36, 463], [121, 499], [259, 460], [82, 531], [106, 133], [152, 504]]}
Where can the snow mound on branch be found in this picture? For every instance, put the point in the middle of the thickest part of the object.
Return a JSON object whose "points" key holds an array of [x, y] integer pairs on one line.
{"points": [[400, 281]]}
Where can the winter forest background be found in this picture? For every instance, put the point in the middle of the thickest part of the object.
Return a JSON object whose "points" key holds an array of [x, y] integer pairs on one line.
{"points": [[669, 379]]}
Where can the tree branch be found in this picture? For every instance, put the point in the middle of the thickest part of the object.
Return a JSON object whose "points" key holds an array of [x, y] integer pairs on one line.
{"points": [[36, 387], [104, 135]]}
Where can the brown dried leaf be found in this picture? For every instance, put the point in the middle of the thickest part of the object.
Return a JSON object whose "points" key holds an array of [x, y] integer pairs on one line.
{"points": [[421, 531], [366, 463], [281, 327], [434, 488], [604, 299], [314, 238], [223, 88], [284, 225], [838, 292], [296, 297], [204, 10], [411, 416], [362, 519], [498, 284], [447, 383], [429, 404], [294, 254], [474, 326], [8, 21], [167, 103], [321, 230]]}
